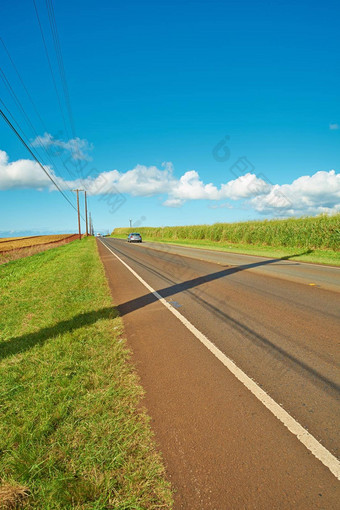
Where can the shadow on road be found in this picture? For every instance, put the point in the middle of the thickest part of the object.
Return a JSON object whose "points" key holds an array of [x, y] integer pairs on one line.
{"points": [[142, 301], [257, 339], [137, 303]]}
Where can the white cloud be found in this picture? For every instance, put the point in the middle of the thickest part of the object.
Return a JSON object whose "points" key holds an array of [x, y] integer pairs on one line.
{"points": [[313, 194], [22, 173], [77, 147], [190, 187], [245, 186], [334, 126], [306, 195], [173, 202], [140, 181]]}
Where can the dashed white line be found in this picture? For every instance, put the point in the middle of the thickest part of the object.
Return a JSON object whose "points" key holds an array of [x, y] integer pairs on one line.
{"points": [[309, 441]]}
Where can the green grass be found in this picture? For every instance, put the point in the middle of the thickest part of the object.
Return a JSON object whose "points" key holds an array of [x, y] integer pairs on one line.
{"points": [[311, 239], [72, 431]]}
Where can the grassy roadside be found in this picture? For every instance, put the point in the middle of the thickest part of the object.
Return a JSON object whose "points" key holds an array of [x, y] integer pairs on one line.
{"points": [[71, 433], [326, 257], [308, 239]]}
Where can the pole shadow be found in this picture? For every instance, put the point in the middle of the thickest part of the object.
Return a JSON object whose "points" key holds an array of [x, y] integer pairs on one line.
{"points": [[25, 342], [278, 352], [147, 299]]}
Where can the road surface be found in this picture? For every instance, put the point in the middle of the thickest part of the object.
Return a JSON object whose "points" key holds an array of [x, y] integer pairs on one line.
{"points": [[278, 323]]}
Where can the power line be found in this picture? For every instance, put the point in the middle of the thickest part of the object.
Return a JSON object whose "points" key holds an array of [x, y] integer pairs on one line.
{"points": [[65, 89], [35, 158], [28, 121], [50, 65], [32, 102], [57, 48], [22, 82], [19, 128], [16, 99], [10, 88], [13, 119]]}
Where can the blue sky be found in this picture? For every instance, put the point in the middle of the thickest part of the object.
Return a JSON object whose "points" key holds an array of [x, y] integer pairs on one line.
{"points": [[154, 86]]}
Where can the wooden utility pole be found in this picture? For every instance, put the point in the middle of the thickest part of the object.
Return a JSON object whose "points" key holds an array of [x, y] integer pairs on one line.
{"points": [[87, 229], [79, 229], [91, 233]]}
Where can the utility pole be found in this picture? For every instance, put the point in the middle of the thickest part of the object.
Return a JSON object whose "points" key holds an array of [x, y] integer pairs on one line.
{"points": [[130, 223], [91, 229], [87, 229], [79, 229]]}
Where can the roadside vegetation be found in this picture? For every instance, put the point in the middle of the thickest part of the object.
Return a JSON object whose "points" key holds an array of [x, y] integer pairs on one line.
{"points": [[72, 431], [313, 239]]}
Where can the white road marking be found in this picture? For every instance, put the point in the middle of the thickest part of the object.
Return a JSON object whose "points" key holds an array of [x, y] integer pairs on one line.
{"points": [[309, 441]]}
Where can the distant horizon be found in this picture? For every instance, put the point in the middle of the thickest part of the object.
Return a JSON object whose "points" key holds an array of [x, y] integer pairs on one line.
{"points": [[105, 231]]}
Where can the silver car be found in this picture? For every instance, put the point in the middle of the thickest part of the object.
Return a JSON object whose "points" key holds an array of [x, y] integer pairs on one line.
{"points": [[134, 238]]}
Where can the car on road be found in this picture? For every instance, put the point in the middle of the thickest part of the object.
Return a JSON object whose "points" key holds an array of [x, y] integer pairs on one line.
{"points": [[134, 238]]}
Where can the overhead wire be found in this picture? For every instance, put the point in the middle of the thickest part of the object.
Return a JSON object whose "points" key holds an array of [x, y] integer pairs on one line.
{"points": [[50, 66], [19, 104], [31, 99], [66, 94], [22, 81], [35, 158], [16, 99], [19, 128], [57, 47], [58, 52]]}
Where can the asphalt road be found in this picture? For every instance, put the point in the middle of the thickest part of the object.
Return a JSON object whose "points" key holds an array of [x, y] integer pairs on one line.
{"points": [[279, 322], [326, 277]]}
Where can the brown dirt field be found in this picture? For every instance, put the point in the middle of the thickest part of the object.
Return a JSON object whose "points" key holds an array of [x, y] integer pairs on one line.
{"points": [[15, 254], [27, 242]]}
